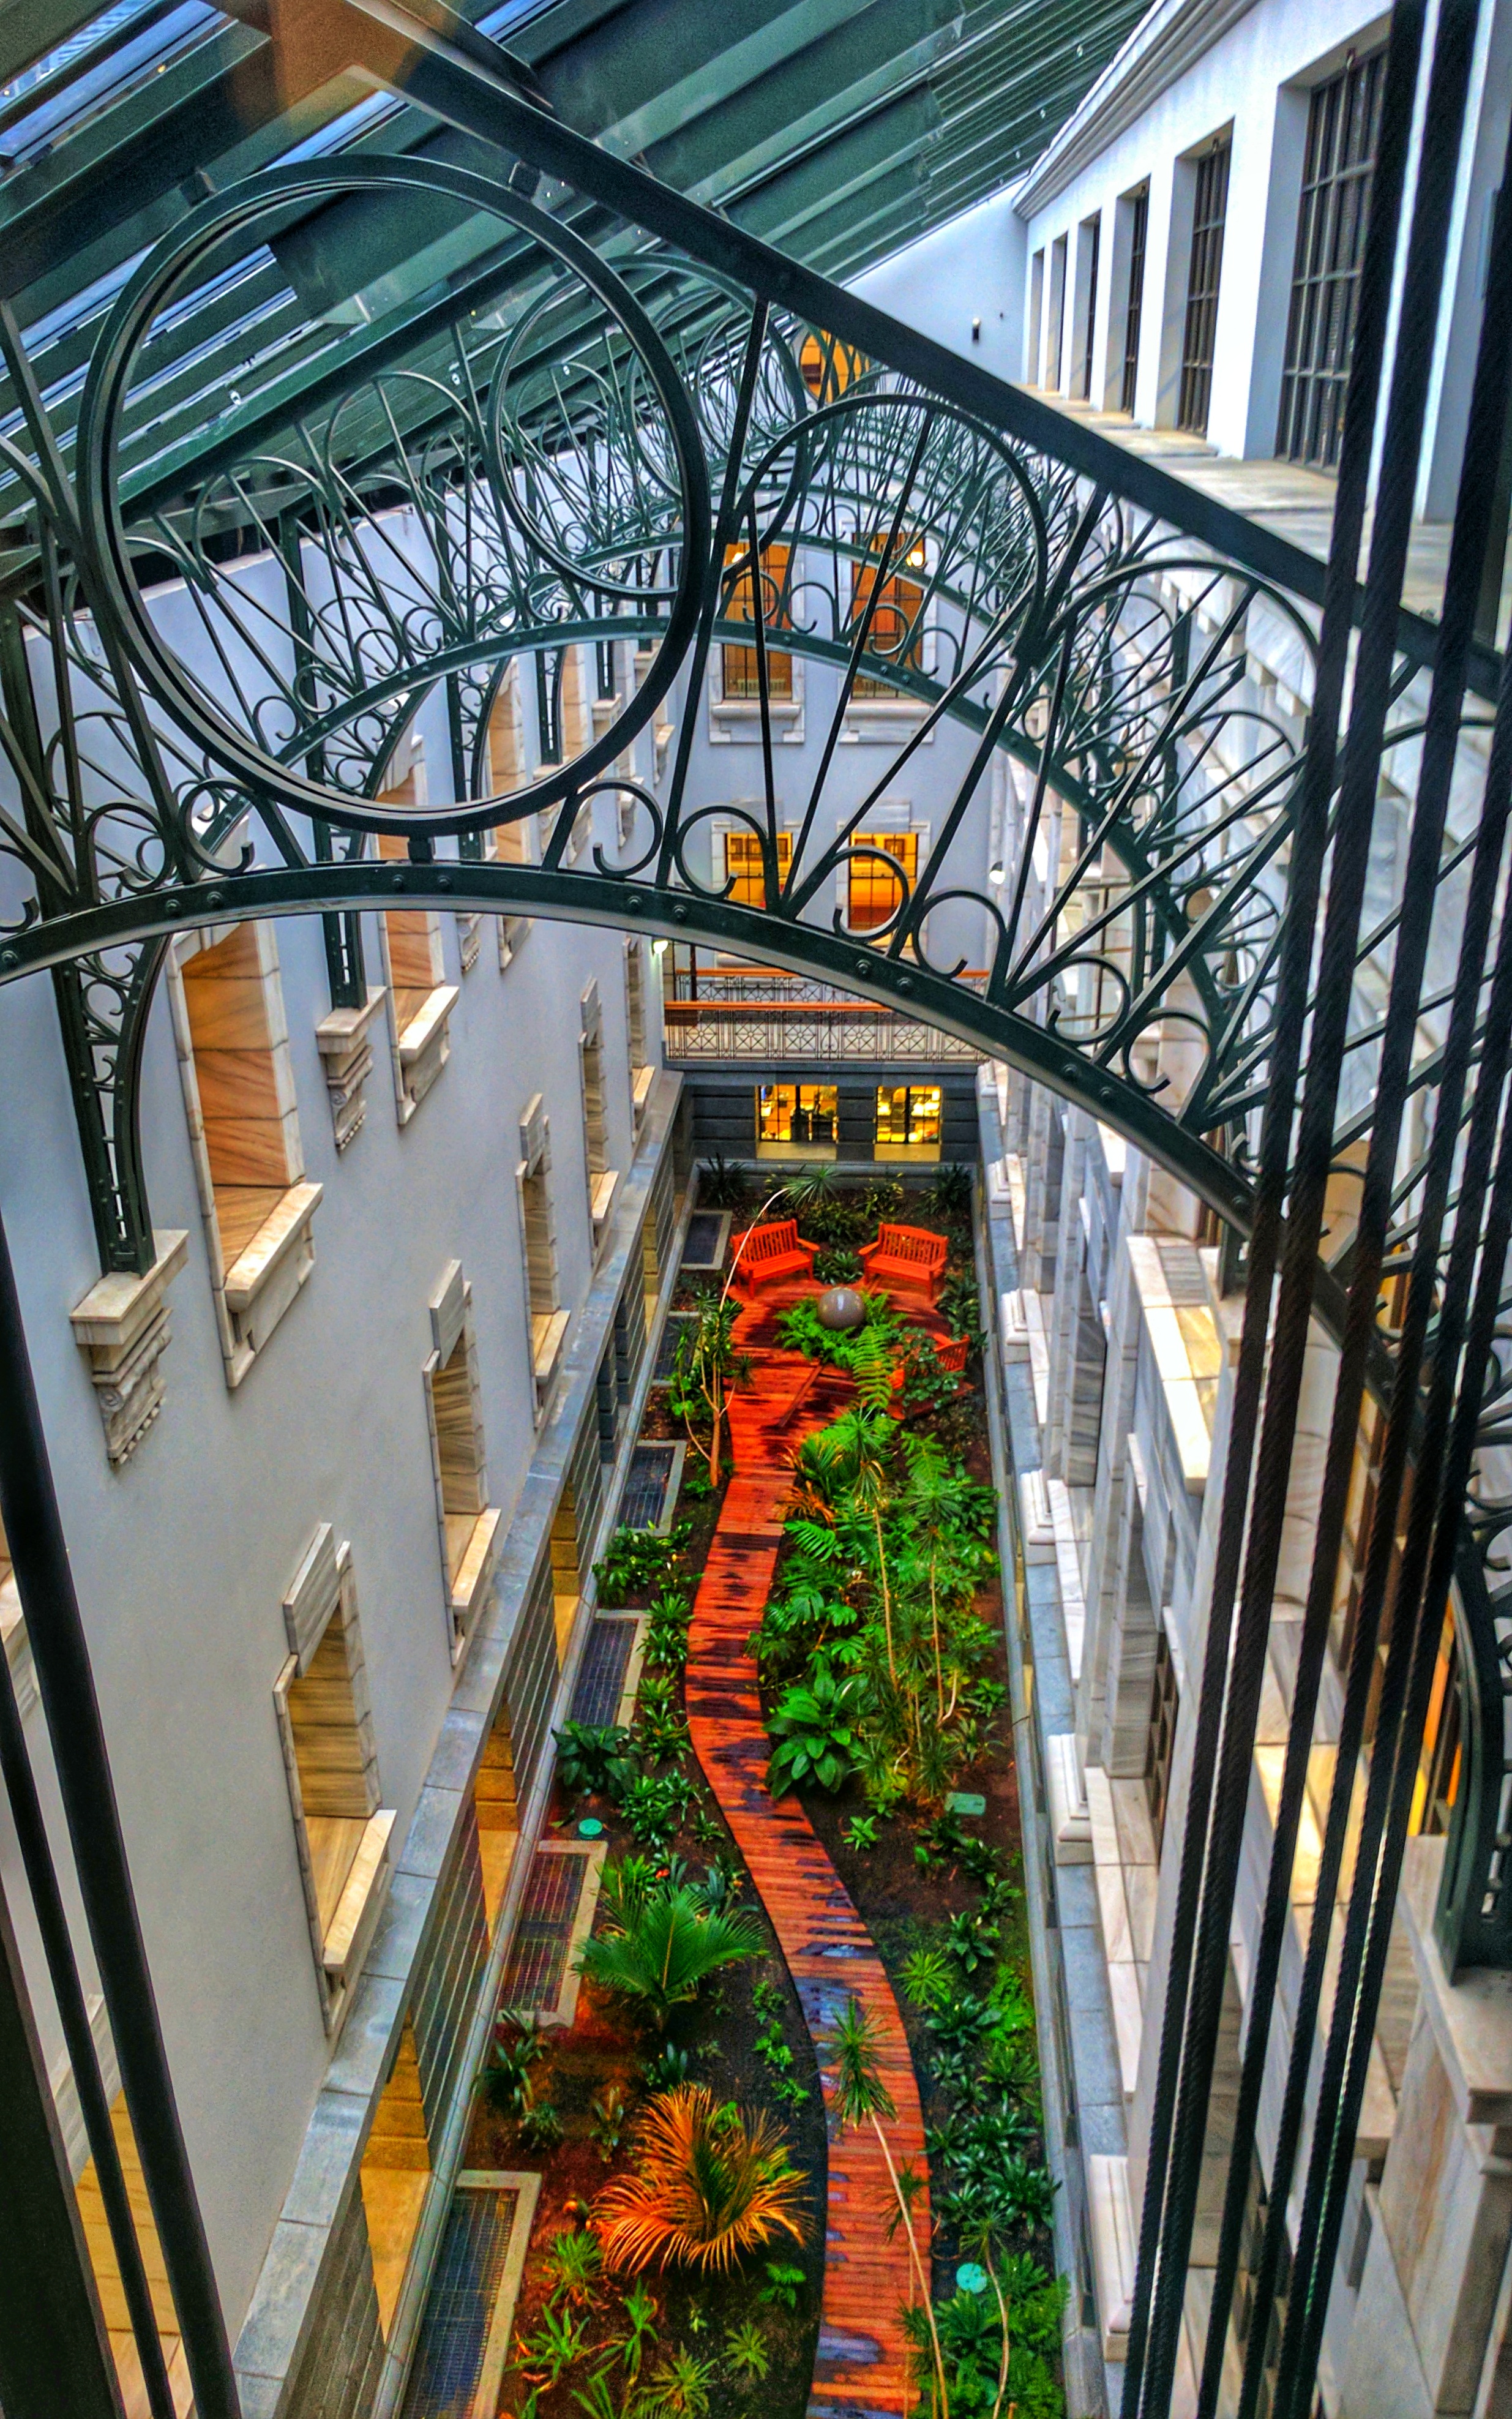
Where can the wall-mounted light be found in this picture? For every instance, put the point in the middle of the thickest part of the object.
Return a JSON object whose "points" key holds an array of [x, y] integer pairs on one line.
{"points": [[997, 875], [659, 949], [975, 332]]}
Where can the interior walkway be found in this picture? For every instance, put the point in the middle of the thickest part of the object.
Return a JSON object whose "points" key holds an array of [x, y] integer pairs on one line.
{"points": [[862, 2364]]}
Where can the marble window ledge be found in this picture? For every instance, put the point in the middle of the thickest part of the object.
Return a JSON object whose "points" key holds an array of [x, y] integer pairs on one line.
{"points": [[474, 1574], [360, 1902], [548, 1334], [602, 1189]]}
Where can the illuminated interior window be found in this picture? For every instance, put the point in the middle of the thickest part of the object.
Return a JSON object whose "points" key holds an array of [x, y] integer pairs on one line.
{"points": [[744, 869], [739, 667], [875, 893], [796, 1117], [896, 632], [828, 366], [908, 1122]]}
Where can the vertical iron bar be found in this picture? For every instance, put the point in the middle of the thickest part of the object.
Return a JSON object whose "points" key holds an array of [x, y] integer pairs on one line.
{"points": [[343, 933], [1488, 411], [73, 2016], [34, 1533], [1293, 975], [53, 2352]]}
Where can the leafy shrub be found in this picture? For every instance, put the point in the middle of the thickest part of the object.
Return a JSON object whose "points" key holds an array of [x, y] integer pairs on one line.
{"points": [[710, 2185], [540, 2128], [666, 1630], [949, 1195], [836, 1264], [606, 2122], [637, 1558], [656, 1806], [745, 2349], [784, 2282], [928, 1981], [573, 2266], [861, 1833], [505, 2081], [814, 1727], [959, 1306], [883, 1198], [663, 1941], [667, 2070], [595, 1759]]}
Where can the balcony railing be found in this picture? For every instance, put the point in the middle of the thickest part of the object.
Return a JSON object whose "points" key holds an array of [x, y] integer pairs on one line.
{"points": [[759, 1015]]}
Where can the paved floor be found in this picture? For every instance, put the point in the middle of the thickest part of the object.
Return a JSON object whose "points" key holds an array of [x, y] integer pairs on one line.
{"points": [[862, 2367]]}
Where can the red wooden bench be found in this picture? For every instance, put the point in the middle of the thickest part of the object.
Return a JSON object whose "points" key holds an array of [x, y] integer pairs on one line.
{"points": [[907, 1255], [762, 1255]]}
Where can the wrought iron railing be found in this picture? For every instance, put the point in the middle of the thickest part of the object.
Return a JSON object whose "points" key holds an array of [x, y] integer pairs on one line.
{"points": [[286, 508]]}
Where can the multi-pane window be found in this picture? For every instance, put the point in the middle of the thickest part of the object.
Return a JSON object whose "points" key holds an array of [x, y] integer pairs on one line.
{"points": [[745, 867], [1165, 1704], [828, 366], [1209, 206], [548, 670], [739, 666], [1056, 320], [875, 893], [797, 1116], [1343, 130], [1134, 312], [896, 630], [908, 1120]]}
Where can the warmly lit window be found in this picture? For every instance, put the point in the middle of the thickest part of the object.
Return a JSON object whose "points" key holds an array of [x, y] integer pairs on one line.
{"points": [[796, 1116], [875, 893], [1438, 1772], [895, 633], [739, 672], [745, 865], [396, 2175], [321, 1701], [908, 1122], [828, 366]]}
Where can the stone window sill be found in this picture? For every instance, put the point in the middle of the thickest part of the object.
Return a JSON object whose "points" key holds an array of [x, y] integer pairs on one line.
{"points": [[602, 1190], [642, 1084], [473, 1576], [341, 1039], [423, 1044], [121, 1327], [548, 1335], [360, 1902], [264, 1278]]}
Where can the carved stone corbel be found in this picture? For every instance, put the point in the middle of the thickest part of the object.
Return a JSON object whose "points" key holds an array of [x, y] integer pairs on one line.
{"points": [[342, 1041], [121, 1327]]}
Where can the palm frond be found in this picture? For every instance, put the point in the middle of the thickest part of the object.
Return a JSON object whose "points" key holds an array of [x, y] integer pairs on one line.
{"points": [[711, 2183]]}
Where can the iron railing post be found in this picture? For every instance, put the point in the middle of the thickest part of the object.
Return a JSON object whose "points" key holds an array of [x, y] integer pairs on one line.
{"points": [[34, 1534]]}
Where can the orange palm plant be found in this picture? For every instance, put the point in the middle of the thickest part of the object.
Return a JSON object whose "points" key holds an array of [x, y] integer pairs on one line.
{"points": [[710, 2184]]}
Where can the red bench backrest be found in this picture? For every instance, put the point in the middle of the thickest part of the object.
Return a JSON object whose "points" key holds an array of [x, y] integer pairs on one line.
{"points": [[770, 1243], [910, 1243]]}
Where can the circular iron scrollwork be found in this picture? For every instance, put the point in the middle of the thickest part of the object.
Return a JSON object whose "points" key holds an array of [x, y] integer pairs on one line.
{"points": [[371, 521]]}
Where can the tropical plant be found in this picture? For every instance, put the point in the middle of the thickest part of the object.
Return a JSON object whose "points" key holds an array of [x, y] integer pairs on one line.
{"points": [[607, 2121], [973, 1938], [640, 2314], [664, 1941], [710, 2185], [784, 2284], [595, 1759], [540, 2126], [959, 1305], [656, 1806], [557, 2344], [638, 1558], [666, 1630], [722, 1182], [659, 1718], [745, 2349], [813, 1185], [679, 2390], [670, 2066], [949, 1195], [505, 2081], [574, 2264], [814, 1727], [837, 1264], [861, 1832], [928, 1978]]}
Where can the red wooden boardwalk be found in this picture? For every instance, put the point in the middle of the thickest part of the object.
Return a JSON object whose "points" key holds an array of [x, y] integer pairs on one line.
{"points": [[862, 2371]]}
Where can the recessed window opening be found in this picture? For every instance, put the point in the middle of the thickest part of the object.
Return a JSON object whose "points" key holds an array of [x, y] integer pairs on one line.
{"points": [[507, 769], [1092, 245], [875, 893], [796, 1117], [908, 1122], [602, 1178], [496, 1800], [896, 632], [1035, 315], [1134, 312], [604, 670], [739, 669], [1343, 131], [1210, 209], [745, 865], [548, 1323], [330, 1759], [1056, 321], [468, 1523], [828, 366], [1437, 1785]]}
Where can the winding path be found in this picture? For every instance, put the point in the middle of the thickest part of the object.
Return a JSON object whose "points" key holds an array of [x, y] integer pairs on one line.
{"points": [[861, 2369]]}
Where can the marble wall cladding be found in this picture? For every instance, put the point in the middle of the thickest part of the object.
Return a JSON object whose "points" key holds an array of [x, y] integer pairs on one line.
{"points": [[343, 2353], [450, 1969], [1042, 1210]]}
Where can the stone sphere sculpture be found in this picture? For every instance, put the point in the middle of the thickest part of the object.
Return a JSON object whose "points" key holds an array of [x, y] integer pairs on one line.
{"points": [[842, 1309]]}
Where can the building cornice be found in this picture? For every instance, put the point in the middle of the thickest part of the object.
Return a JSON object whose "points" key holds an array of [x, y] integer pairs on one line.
{"points": [[1170, 38]]}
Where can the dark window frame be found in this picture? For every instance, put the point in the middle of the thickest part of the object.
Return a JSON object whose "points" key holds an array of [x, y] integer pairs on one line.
{"points": [[1210, 210], [1135, 307], [1333, 207]]}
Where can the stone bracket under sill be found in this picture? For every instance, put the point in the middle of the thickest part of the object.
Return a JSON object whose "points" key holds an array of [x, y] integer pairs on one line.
{"points": [[121, 1327], [342, 1040]]}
